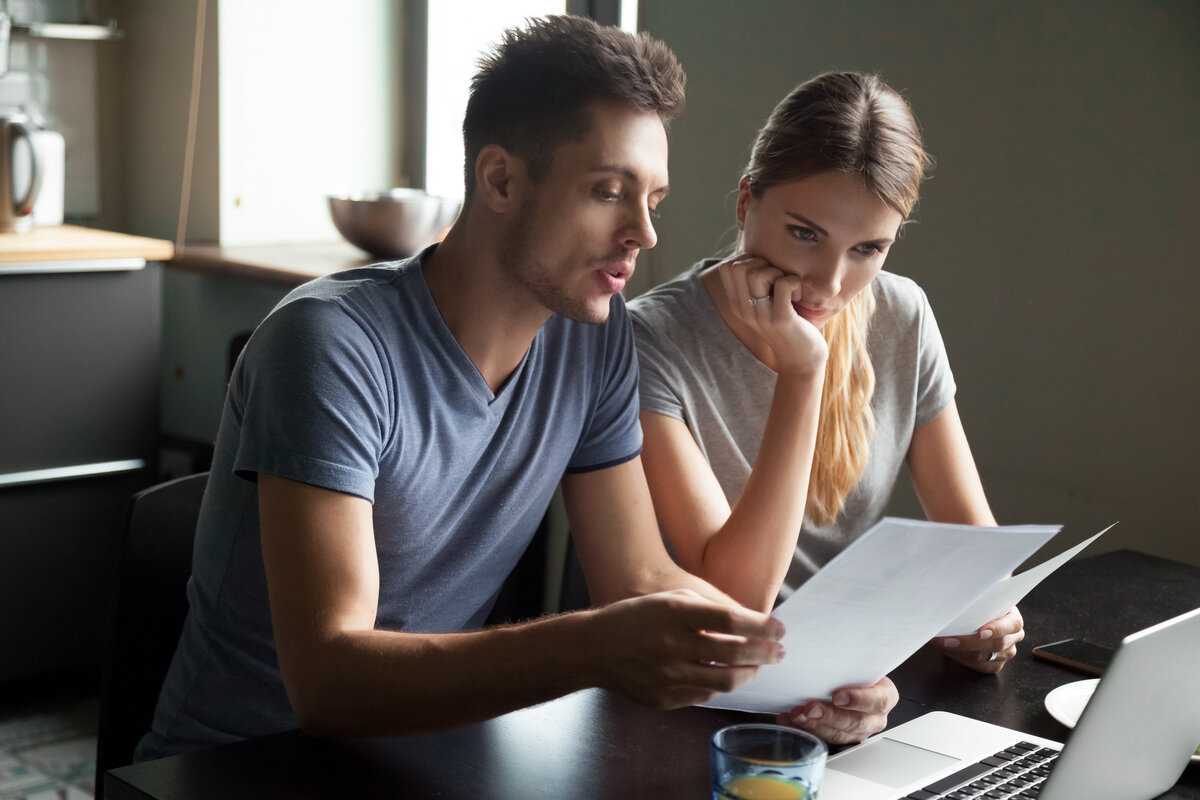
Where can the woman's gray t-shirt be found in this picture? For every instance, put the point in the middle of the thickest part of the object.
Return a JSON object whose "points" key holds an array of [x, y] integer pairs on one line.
{"points": [[694, 369]]}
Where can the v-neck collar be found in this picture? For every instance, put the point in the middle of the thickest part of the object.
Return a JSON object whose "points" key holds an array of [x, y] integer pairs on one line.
{"points": [[496, 402]]}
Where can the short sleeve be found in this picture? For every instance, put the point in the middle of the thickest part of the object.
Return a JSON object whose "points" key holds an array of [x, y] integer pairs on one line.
{"points": [[935, 381], [613, 434], [310, 394], [658, 370]]}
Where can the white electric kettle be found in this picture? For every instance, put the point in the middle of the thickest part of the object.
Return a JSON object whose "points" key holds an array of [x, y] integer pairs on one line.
{"points": [[16, 213]]}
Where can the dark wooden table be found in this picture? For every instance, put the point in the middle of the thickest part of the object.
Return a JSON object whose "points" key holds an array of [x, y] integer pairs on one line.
{"points": [[595, 744]]}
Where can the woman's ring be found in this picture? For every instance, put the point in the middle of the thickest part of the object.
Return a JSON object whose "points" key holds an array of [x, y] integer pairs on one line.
{"points": [[756, 300]]}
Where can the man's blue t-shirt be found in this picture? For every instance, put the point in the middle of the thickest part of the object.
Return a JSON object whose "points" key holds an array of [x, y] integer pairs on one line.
{"points": [[354, 383]]}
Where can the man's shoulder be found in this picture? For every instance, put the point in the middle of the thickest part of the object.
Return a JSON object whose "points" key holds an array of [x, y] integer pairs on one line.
{"points": [[367, 310], [355, 281], [376, 295]]}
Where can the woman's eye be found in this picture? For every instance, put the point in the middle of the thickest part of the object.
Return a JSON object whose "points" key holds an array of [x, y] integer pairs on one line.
{"points": [[869, 249], [607, 194], [804, 234]]}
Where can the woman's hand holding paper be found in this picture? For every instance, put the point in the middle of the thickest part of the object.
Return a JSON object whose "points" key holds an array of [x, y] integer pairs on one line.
{"points": [[855, 713], [990, 648]]}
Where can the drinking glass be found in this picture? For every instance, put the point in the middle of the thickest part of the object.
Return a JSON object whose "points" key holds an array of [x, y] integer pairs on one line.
{"points": [[766, 762]]}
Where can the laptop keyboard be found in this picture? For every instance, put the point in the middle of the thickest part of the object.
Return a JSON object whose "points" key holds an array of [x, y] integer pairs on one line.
{"points": [[1015, 773]]}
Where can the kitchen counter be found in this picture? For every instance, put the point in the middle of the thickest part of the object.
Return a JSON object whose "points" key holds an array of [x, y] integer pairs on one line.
{"points": [[61, 243], [80, 352], [284, 265]]}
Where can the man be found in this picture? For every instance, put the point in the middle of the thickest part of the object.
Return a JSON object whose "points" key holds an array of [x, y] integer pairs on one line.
{"points": [[393, 435]]}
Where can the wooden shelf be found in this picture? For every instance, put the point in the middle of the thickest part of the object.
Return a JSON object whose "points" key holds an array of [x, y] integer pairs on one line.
{"points": [[284, 265], [68, 30], [73, 243]]}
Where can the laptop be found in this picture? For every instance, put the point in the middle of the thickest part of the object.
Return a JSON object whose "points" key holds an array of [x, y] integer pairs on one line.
{"points": [[1132, 741]]}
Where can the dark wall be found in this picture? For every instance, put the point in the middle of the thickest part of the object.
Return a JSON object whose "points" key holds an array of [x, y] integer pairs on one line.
{"points": [[1056, 239]]}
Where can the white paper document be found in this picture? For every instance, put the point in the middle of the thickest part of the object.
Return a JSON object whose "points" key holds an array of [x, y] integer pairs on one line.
{"points": [[897, 586], [1007, 593]]}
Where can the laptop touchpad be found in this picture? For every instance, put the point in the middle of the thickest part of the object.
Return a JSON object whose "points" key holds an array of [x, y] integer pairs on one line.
{"points": [[890, 762]]}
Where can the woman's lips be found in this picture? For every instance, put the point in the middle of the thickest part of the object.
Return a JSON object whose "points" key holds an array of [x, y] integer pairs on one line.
{"points": [[810, 313]]}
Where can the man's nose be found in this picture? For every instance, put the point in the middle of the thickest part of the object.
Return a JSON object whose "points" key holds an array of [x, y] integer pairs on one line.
{"points": [[640, 231]]}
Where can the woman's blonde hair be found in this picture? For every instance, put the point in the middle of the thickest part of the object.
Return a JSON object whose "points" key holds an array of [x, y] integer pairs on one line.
{"points": [[853, 123]]}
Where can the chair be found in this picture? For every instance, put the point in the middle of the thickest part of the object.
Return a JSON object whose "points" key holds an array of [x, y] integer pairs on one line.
{"points": [[150, 602], [527, 592]]}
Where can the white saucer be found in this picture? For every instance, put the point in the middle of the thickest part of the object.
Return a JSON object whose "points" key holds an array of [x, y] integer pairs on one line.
{"points": [[1066, 702]]}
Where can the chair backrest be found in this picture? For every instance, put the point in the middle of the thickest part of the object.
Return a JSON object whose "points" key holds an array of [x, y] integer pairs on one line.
{"points": [[149, 606]]}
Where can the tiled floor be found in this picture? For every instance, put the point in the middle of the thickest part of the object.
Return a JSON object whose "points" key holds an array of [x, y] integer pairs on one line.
{"points": [[48, 738]]}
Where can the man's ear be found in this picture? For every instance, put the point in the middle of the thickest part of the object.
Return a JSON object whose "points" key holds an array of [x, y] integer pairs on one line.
{"points": [[499, 178]]}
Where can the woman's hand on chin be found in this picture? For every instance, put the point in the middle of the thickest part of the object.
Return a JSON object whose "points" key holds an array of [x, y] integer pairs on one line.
{"points": [[761, 296]]}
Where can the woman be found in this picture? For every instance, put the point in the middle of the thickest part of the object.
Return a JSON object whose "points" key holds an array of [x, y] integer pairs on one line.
{"points": [[783, 388]]}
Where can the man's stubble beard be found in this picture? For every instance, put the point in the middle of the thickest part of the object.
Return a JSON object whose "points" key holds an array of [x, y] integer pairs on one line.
{"points": [[523, 268]]}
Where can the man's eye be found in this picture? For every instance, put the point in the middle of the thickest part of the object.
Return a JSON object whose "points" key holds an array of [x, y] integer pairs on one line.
{"points": [[605, 194]]}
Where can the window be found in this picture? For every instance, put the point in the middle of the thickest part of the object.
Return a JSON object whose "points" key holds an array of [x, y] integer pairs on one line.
{"points": [[457, 32]]}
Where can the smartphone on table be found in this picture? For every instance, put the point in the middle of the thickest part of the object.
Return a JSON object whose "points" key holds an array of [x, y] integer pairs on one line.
{"points": [[1077, 654]]}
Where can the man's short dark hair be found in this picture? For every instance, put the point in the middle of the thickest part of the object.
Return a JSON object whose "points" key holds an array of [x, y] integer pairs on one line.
{"points": [[533, 90]]}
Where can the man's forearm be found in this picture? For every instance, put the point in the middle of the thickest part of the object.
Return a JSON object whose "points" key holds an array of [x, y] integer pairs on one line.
{"points": [[379, 683], [667, 650]]}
